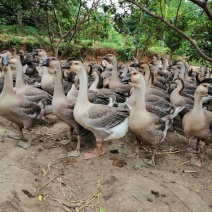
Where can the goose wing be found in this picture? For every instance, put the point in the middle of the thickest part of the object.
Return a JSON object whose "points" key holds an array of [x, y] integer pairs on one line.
{"points": [[100, 116], [36, 95], [29, 108]]}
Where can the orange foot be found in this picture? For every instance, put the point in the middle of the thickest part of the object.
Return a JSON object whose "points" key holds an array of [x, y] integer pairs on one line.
{"points": [[94, 154], [196, 162], [193, 150]]}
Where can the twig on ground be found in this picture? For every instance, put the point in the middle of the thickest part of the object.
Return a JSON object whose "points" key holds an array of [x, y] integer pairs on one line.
{"points": [[136, 198], [64, 207], [189, 171], [165, 153], [89, 165], [184, 163]]}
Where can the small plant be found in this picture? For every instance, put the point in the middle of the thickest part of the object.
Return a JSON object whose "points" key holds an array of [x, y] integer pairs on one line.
{"points": [[125, 54]]}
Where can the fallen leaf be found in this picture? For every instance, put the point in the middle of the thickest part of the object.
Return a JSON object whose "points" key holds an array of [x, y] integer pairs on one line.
{"points": [[40, 197]]}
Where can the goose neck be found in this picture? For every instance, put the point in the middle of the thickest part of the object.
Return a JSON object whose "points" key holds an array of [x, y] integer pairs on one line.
{"points": [[8, 83], [164, 64], [179, 88], [114, 76], [147, 75], [182, 72], [95, 83], [83, 88], [197, 109], [19, 75], [58, 89], [140, 96]]}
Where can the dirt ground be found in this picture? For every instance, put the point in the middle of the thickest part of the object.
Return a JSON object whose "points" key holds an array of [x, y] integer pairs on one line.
{"points": [[42, 177]]}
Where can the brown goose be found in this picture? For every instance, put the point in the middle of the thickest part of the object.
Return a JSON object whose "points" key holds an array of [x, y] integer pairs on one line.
{"points": [[115, 83], [198, 122], [63, 106], [149, 82], [148, 127], [27, 91], [107, 123], [18, 110], [47, 79], [109, 93], [178, 100]]}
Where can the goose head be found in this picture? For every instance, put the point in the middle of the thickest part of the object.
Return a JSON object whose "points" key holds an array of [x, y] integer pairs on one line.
{"points": [[6, 52], [95, 74], [74, 66], [40, 54], [136, 79], [53, 63], [109, 57], [13, 60], [204, 89]]}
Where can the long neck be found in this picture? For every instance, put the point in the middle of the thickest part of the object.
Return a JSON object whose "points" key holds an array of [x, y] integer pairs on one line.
{"points": [[8, 83], [58, 89], [197, 109], [164, 64], [156, 66], [182, 72], [178, 89], [95, 83], [140, 92], [19, 75], [83, 88], [114, 76], [147, 77], [175, 73]]}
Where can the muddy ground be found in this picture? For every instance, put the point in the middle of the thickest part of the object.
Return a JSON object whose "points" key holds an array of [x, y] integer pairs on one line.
{"points": [[42, 177]]}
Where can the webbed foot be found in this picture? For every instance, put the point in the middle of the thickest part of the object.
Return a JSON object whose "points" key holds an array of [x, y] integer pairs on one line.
{"points": [[75, 153], [196, 162], [132, 155], [94, 154], [14, 136], [149, 162], [23, 144], [64, 142], [193, 150]]}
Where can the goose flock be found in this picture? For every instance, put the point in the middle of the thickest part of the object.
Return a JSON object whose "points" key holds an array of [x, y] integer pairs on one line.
{"points": [[147, 98]]}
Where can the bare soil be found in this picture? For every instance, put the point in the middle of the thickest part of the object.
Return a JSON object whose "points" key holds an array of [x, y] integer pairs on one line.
{"points": [[42, 177]]}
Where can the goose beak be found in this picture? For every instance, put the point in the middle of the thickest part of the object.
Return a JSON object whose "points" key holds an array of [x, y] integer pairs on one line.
{"points": [[210, 90], [5, 60], [35, 53], [126, 79], [134, 65], [66, 65], [44, 62]]}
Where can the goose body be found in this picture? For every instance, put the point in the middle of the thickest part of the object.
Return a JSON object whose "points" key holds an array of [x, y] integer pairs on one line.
{"points": [[62, 106], [198, 122], [26, 91], [115, 83], [19, 110], [106, 122], [148, 127]]}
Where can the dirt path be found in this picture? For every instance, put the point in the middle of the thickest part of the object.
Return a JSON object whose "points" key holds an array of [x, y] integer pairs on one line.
{"points": [[42, 178]]}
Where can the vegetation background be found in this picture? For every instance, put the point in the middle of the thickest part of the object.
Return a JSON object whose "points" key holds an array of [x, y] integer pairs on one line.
{"points": [[129, 28]]}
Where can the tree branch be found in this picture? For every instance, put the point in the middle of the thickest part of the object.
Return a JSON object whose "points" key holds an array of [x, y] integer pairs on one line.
{"points": [[204, 6], [191, 41], [178, 8], [161, 9]]}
